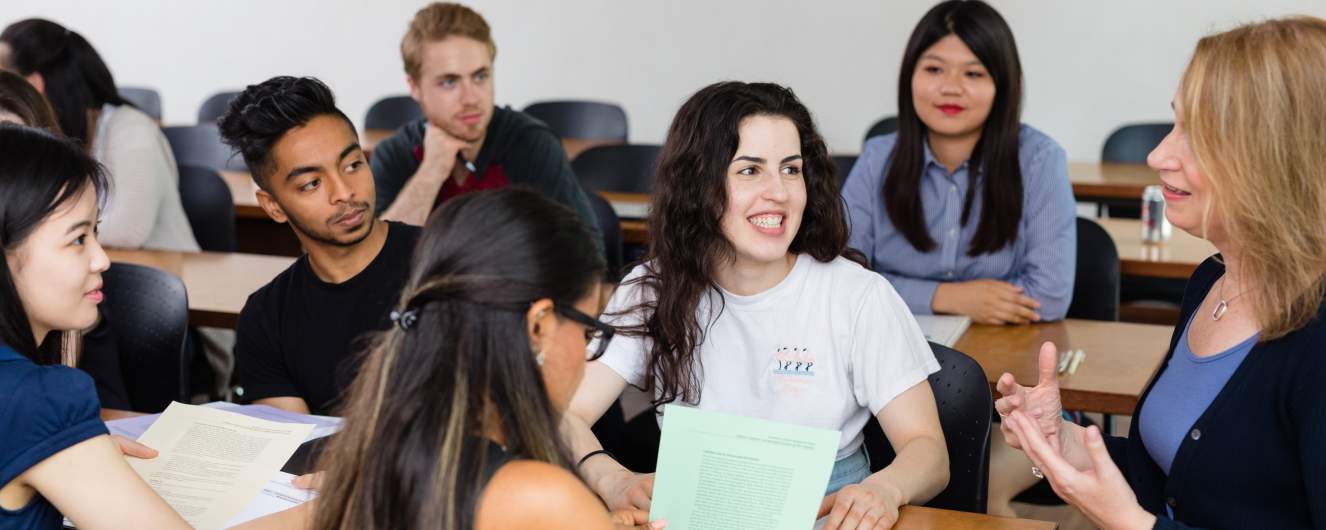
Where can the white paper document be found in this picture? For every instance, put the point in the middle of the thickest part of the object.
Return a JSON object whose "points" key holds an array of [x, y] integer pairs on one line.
{"points": [[134, 427], [278, 495], [212, 462], [943, 329], [720, 471]]}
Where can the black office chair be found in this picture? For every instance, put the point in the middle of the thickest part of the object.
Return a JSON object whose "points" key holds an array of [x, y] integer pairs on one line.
{"points": [[1096, 284], [209, 207], [963, 396], [611, 227], [201, 146], [148, 310], [844, 165], [215, 106], [583, 120], [620, 168], [146, 99], [1131, 143], [391, 112], [882, 127]]}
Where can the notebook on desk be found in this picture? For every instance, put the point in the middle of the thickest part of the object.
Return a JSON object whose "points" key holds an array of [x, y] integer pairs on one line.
{"points": [[943, 329]]}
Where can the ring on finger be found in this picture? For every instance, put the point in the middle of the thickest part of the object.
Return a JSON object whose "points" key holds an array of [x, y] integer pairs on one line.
{"points": [[1036, 471]]}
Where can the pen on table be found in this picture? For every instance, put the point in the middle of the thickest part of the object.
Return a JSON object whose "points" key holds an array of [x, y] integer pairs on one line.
{"points": [[1064, 358], [1077, 359]]}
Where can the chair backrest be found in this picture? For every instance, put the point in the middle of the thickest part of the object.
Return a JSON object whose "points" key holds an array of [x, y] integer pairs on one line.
{"points": [[201, 146], [148, 311], [844, 163], [882, 127], [209, 207], [587, 120], [965, 406], [582, 124], [1131, 143], [391, 112], [1096, 284], [215, 106], [611, 227], [620, 168], [147, 100]]}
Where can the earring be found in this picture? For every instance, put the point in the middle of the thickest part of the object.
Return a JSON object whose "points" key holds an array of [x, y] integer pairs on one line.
{"points": [[539, 357]]}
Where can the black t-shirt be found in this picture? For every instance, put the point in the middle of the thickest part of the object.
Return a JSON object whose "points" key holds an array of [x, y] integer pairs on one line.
{"points": [[299, 336]]}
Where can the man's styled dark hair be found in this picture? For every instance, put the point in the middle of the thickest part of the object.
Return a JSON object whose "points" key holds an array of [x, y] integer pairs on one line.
{"points": [[264, 112]]}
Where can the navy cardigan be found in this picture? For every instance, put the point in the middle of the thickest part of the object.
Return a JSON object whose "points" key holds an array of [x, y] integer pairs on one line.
{"points": [[1256, 458]]}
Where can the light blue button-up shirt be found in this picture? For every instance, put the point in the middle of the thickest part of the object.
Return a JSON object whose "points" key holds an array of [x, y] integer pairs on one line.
{"points": [[1042, 260]]}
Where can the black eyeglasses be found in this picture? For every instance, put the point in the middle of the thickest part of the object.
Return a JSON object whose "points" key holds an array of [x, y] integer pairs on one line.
{"points": [[594, 330]]}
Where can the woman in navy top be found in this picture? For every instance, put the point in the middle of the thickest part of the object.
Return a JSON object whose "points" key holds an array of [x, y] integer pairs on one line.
{"points": [[55, 455], [965, 210], [1232, 432]]}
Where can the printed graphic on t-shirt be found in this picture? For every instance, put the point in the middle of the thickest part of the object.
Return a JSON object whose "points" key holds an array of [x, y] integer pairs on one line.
{"points": [[793, 370]]}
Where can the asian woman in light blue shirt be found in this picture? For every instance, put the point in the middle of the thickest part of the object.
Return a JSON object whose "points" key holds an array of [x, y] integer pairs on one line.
{"points": [[966, 210]]}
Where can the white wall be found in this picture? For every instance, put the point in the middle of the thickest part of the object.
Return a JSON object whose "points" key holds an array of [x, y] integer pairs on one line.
{"points": [[1089, 66]]}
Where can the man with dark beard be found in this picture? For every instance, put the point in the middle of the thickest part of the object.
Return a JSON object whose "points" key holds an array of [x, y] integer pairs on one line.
{"points": [[297, 335]]}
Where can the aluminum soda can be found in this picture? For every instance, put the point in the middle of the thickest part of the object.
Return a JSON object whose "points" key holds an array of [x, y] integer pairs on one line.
{"points": [[1155, 227]]}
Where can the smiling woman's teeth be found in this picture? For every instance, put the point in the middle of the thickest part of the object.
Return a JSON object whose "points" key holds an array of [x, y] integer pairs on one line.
{"points": [[767, 221], [1175, 190]]}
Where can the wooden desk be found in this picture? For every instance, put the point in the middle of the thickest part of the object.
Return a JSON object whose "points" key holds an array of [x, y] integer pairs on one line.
{"points": [[1093, 180], [630, 207], [242, 191], [218, 283], [1176, 258], [1121, 358], [921, 518], [255, 232]]}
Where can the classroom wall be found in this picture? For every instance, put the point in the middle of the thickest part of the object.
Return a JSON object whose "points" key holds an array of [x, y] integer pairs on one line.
{"points": [[1089, 66]]}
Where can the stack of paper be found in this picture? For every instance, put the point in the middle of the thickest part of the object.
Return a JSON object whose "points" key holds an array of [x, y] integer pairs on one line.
{"points": [[943, 329], [279, 494], [134, 427], [212, 462]]}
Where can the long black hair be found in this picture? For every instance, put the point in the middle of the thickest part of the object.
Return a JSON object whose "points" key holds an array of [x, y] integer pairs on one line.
{"points": [[76, 79], [19, 98], [413, 453], [685, 220], [39, 174], [994, 167]]}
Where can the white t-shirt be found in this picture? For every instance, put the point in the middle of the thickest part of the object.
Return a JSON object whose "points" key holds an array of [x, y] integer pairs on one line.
{"points": [[827, 347]]}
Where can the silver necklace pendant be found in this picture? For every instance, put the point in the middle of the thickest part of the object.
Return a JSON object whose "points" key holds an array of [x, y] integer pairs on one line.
{"points": [[1219, 310]]}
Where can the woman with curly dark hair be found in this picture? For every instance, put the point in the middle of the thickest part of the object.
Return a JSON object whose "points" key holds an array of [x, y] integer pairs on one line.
{"points": [[746, 304]]}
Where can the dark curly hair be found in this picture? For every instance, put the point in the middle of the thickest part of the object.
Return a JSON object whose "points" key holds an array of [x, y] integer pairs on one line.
{"points": [[262, 113], [685, 221]]}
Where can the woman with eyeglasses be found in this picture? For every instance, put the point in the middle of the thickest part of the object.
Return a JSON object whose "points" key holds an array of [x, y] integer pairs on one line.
{"points": [[745, 304], [452, 421]]}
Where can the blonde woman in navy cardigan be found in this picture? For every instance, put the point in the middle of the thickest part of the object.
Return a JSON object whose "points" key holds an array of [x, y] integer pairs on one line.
{"points": [[1231, 433]]}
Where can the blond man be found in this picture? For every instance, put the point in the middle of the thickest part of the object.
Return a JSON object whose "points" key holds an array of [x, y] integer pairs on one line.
{"points": [[464, 143]]}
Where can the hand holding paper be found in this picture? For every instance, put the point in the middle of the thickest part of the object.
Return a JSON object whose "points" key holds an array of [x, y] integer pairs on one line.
{"points": [[720, 471], [214, 462]]}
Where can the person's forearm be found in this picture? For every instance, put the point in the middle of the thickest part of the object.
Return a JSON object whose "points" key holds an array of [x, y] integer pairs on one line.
{"points": [[416, 199], [580, 439], [920, 471]]}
